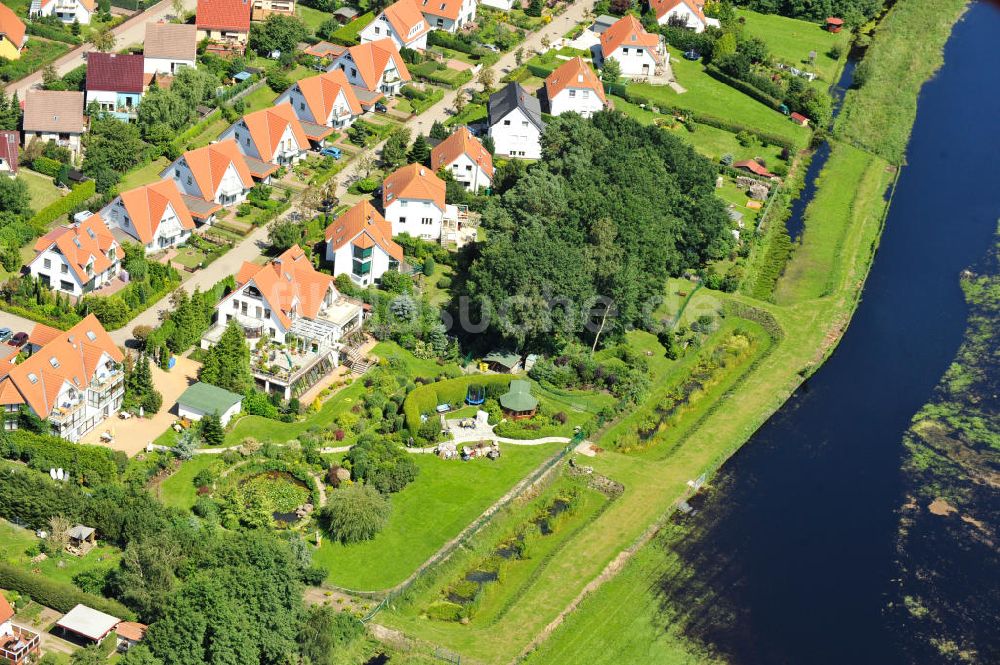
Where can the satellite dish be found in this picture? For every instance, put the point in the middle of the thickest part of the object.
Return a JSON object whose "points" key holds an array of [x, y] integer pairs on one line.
{"points": [[60, 475], [52, 473]]}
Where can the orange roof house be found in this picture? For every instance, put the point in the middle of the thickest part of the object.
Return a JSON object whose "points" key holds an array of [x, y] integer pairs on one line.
{"points": [[326, 99], [88, 248], [17, 645], [225, 24], [54, 381], [448, 14], [272, 134], [155, 215], [465, 157], [401, 22], [413, 182], [369, 65], [211, 177], [574, 86], [352, 240], [628, 33], [12, 33], [288, 284], [692, 12]]}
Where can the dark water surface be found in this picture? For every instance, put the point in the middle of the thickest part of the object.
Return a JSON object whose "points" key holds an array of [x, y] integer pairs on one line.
{"points": [[794, 552]]}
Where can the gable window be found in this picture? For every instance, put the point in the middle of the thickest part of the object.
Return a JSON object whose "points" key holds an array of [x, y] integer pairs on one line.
{"points": [[572, 94], [506, 123], [48, 263]]}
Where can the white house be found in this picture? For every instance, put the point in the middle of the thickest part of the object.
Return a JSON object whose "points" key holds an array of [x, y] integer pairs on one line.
{"points": [[375, 67], [686, 13], [169, 47], [465, 158], [574, 86], [326, 99], [401, 22], [413, 200], [155, 215], [115, 82], [359, 244], [78, 258], [74, 379], [503, 5], [202, 399], [273, 134], [211, 178], [54, 115], [448, 15], [515, 120], [638, 52], [66, 11]]}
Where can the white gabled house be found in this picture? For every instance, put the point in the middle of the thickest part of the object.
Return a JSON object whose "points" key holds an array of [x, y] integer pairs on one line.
{"points": [[211, 178], [169, 47], [448, 15], [413, 201], [464, 156], [376, 67], [273, 135], [326, 99], [401, 22], [359, 244], [66, 11], [638, 52], [686, 13], [515, 120], [154, 215], [574, 86], [78, 258], [73, 379]]}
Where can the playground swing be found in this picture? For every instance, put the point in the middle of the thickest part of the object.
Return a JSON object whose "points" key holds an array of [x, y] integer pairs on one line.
{"points": [[475, 395]]}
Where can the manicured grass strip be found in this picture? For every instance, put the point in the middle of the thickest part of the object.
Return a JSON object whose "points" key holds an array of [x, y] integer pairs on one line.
{"points": [[880, 114], [444, 499], [40, 188], [178, 490], [790, 40], [849, 195]]}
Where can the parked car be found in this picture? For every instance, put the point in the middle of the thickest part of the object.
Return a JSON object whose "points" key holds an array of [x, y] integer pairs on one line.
{"points": [[381, 108], [19, 339], [5, 334], [330, 151]]}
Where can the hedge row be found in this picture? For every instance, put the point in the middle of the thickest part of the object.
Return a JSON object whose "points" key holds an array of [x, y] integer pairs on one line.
{"points": [[424, 399], [538, 70], [90, 464], [53, 33], [746, 88], [46, 166], [60, 596], [57, 209]]}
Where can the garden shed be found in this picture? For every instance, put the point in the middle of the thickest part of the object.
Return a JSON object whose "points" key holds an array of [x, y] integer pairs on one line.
{"points": [[834, 24], [502, 361], [88, 623], [518, 402], [201, 399], [80, 539]]}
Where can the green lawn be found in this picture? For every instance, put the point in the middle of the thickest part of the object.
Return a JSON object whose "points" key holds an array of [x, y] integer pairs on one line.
{"points": [[15, 541], [472, 113], [817, 266], [711, 97], [423, 367], [348, 34], [790, 40], [178, 490], [149, 173], [40, 188], [445, 498], [37, 53], [313, 18]]}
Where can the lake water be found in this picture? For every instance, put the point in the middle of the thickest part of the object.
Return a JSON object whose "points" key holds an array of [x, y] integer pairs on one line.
{"points": [[794, 555]]}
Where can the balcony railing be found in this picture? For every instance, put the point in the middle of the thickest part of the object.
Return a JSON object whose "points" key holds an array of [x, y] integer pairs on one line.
{"points": [[24, 643], [66, 411]]}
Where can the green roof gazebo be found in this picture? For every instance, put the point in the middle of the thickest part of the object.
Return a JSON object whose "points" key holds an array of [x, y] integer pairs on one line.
{"points": [[518, 402]]}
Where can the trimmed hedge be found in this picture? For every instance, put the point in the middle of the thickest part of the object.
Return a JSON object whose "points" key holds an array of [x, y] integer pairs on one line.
{"points": [[57, 209], [744, 87], [424, 399], [46, 166], [52, 32], [60, 596], [90, 464]]}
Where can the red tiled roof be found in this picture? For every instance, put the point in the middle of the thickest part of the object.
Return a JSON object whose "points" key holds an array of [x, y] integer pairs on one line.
{"points": [[573, 73], [663, 7], [210, 164], [372, 58], [224, 15], [753, 166], [445, 8], [626, 32], [11, 25], [834, 21], [415, 181], [9, 149], [6, 611], [288, 283], [147, 204], [114, 72], [268, 125], [363, 226], [404, 16], [461, 142], [131, 630], [799, 118], [321, 94], [83, 243], [70, 357]]}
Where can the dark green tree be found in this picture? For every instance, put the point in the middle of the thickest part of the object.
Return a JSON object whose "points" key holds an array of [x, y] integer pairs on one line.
{"points": [[278, 33], [284, 234], [420, 152], [355, 513], [210, 429], [227, 363], [394, 150], [439, 132]]}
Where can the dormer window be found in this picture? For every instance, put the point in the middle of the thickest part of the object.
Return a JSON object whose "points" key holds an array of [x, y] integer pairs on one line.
{"points": [[91, 336], [54, 362], [33, 378]]}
